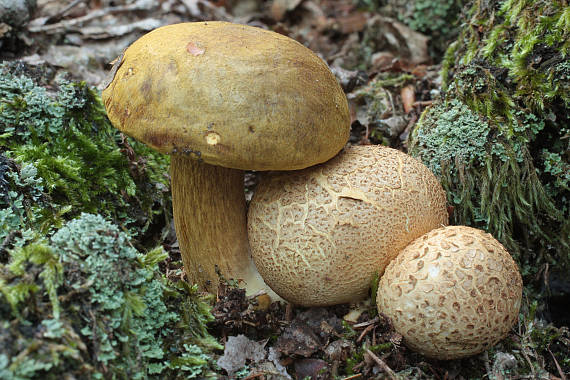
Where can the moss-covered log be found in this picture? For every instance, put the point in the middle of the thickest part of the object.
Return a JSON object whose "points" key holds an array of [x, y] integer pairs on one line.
{"points": [[60, 156], [76, 297], [499, 137]]}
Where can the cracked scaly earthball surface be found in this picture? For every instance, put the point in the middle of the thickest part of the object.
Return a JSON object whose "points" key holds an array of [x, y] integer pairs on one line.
{"points": [[319, 235], [451, 293]]}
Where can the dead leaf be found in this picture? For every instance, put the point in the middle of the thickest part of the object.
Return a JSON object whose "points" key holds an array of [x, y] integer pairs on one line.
{"points": [[355, 22], [104, 32], [382, 60], [238, 350], [394, 125], [309, 332], [309, 368], [417, 43], [408, 97], [4, 28], [280, 7]]}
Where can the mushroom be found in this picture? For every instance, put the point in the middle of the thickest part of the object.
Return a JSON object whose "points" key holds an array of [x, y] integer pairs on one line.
{"points": [[319, 235], [222, 98], [452, 293]]}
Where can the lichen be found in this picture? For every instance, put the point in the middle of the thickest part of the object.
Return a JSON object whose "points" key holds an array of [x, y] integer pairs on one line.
{"points": [[62, 157], [76, 297], [498, 138], [85, 302], [459, 133]]}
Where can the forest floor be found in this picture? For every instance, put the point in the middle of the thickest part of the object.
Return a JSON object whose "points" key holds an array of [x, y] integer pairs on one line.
{"points": [[390, 73]]}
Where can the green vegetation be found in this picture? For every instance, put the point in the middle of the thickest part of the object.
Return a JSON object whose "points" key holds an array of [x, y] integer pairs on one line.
{"points": [[81, 294], [498, 139], [60, 156], [85, 302]]}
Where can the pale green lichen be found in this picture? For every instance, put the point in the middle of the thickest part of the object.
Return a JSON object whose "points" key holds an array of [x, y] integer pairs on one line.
{"points": [[78, 161], [459, 134], [504, 166], [86, 303]]}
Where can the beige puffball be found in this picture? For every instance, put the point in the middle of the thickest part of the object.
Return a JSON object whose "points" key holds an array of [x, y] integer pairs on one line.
{"points": [[451, 293], [318, 235]]}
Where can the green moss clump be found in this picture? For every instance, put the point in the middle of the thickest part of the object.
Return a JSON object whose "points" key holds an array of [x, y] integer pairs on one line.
{"points": [[86, 303], [498, 139], [61, 156]]}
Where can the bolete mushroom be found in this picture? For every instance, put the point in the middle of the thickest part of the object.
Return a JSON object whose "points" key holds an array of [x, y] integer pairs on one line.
{"points": [[451, 293], [318, 235], [222, 98]]}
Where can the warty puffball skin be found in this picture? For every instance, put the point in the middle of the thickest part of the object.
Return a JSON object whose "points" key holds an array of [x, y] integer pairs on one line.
{"points": [[319, 235], [452, 293]]}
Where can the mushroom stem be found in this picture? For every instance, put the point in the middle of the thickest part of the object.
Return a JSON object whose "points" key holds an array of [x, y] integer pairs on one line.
{"points": [[210, 220]]}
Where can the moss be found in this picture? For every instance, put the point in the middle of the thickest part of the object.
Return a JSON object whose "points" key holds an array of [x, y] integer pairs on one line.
{"points": [[85, 303], [498, 139], [62, 157], [539, 348]]}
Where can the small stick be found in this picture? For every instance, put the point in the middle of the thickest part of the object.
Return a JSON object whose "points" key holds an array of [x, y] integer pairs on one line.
{"points": [[382, 365], [562, 375], [289, 312], [255, 376], [56, 17], [370, 322], [53, 28], [422, 103], [364, 332], [353, 376]]}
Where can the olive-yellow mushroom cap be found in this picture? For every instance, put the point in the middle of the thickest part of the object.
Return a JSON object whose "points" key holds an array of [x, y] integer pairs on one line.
{"points": [[231, 95], [451, 293], [319, 235]]}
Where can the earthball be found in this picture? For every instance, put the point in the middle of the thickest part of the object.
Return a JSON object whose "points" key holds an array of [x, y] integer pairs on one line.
{"points": [[320, 234], [451, 293]]}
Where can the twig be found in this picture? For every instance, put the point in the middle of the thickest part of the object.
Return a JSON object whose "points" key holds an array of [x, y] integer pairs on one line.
{"points": [[356, 376], [364, 332], [525, 355], [422, 103], [363, 324], [487, 365], [52, 28], [562, 375], [56, 17], [382, 365], [289, 312]]}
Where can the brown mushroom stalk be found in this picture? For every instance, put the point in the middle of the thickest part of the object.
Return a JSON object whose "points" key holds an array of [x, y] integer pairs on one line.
{"points": [[211, 223]]}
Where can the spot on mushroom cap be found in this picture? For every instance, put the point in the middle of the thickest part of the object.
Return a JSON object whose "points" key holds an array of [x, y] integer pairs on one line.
{"points": [[232, 95], [451, 293], [318, 235]]}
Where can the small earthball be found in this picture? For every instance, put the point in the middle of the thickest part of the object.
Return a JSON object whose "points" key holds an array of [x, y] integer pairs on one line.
{"points": [[451, 293], [320, 234]]}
